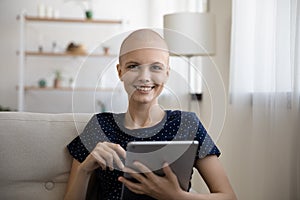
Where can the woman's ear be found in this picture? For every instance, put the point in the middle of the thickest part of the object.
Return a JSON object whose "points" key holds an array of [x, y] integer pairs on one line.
{"points": [[119, 71], [168, 71], [167, 75]]}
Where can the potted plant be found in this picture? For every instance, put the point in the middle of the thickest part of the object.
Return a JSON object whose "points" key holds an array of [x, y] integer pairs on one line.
{"points": [[57, 79]]}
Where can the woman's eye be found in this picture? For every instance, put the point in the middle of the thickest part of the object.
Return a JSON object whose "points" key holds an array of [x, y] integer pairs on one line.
{"points": [[132, 67], [156, 67]]}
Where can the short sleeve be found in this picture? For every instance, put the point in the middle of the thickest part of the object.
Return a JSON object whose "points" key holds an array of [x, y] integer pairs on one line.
{"points": [[206, 144], [81, 146]]}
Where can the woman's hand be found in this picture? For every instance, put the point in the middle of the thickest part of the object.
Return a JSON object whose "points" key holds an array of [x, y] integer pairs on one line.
{"points": [[105, 155], [158, 187]]}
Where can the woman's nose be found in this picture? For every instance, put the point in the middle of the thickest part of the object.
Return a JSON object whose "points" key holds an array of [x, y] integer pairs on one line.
{"points": [[144, 74]]}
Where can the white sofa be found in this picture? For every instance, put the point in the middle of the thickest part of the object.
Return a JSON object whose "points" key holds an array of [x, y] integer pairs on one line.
{"points": [[34, 161]]}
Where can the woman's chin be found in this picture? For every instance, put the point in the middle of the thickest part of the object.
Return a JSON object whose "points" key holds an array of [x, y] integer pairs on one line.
{"points": [[143, 99]]}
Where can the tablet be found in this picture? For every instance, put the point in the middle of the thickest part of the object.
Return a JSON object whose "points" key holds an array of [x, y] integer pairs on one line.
{"points": [[180, 155]]}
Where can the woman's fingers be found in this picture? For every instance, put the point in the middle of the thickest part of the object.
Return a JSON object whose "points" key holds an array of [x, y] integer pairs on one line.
{"points": [[140, 177], [168, 171], [145, 170], [107, 154], [110, 156], [99, 160], [116, 150], [135, 187]]}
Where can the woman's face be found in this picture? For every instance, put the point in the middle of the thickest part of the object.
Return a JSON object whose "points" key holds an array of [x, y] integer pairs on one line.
{"points": [[144, 73]]}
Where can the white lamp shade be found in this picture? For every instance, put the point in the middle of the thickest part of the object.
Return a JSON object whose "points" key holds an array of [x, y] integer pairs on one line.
{"points": [[190, 33]]}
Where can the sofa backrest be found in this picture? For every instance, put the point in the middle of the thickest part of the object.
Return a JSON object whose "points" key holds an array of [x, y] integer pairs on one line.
{"points": [[34, 161]]}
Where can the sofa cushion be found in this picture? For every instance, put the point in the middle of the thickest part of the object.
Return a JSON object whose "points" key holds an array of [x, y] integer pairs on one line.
{"points": [[34, 162]]}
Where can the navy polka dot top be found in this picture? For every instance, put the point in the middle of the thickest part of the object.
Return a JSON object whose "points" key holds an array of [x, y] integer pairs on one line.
{"points": [[176, 125]]}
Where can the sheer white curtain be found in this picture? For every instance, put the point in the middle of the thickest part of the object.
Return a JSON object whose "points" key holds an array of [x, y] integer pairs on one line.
{"points": [[264, 83]]}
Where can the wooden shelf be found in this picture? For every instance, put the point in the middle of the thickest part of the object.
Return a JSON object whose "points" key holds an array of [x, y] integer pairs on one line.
{"points": [[72, 20], [64, 54], [76, 89], [62, 21]]}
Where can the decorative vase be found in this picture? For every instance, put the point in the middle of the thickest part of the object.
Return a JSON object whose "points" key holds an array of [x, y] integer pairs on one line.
{"points": [[42, 83], [89, 14], [106, 50], [57, 79], [57, 83]]}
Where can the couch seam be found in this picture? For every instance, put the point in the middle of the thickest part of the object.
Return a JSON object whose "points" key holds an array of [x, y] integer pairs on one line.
{"points": [[42, 120]]}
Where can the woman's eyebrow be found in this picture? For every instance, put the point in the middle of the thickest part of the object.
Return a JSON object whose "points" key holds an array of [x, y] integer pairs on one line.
{"points": [[132, 63], [157, 63]]}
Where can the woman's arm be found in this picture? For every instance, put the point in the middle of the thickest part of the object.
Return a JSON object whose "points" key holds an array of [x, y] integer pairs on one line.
{"points": [[78, 182], [215, 178], [103, 155]]}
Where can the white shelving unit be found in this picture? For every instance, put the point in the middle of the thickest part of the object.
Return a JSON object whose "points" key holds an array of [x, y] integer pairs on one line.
{"points": [[23, 52]]}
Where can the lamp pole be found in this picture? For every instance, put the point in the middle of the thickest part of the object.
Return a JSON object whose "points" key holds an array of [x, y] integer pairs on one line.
{"points": [[189, 83]]}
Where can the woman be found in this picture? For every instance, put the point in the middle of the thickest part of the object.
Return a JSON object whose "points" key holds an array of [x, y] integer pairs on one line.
{"points": [[144, 69]]}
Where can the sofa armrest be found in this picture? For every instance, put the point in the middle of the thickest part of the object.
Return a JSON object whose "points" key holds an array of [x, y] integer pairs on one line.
{"points": [[34, 162]]}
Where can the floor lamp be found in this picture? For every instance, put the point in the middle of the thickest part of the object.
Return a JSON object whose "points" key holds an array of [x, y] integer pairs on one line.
{"points": [[190, 34]]}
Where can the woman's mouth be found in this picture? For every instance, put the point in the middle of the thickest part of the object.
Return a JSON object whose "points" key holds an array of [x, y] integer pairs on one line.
{"points": [[144, 88]]}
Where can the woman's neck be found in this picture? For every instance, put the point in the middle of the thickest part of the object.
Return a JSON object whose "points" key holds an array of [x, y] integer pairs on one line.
{"points": [[143, 116]]}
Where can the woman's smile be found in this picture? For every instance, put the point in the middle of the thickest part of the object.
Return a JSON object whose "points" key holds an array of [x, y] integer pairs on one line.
{"points": [[144, 88]]}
